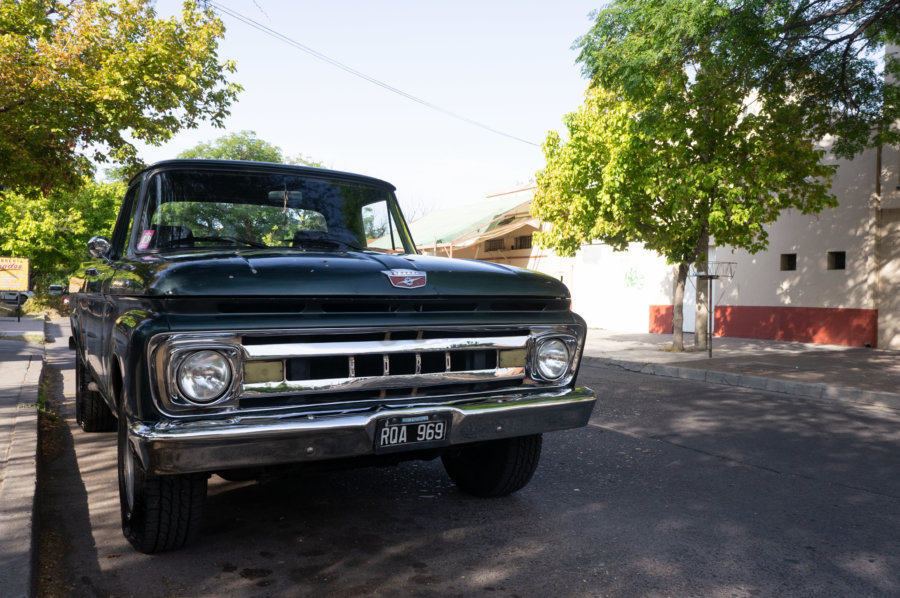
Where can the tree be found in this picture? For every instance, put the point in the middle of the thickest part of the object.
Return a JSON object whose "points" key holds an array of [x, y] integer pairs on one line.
{"points": [[252, 223], [53, 230], [244, 146], [829, 51], [675, 145], [77, 77]]}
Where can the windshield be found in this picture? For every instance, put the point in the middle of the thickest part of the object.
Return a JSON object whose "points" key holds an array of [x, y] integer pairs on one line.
{"points": [[190, 209]]}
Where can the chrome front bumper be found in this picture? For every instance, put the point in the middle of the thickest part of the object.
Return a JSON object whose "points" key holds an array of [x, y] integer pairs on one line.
{"points": [[211, 445]]}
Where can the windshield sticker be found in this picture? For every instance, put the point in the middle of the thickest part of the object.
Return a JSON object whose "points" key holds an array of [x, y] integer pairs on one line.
{"points": [[146, 237]]}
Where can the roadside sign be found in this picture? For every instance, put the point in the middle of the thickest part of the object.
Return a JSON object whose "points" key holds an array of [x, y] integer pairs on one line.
{"points": [[75, 284], [14, 273]]}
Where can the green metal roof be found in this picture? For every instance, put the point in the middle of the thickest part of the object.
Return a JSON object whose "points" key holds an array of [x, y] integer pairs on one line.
{"points": [[449, 225]]}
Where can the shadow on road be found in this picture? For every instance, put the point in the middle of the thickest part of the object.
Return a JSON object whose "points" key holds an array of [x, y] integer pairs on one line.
{"points": [[677, 488], [66, 553]]}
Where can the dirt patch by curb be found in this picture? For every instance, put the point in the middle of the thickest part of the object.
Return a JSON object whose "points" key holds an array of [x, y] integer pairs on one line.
{"points": [[53, 548]]}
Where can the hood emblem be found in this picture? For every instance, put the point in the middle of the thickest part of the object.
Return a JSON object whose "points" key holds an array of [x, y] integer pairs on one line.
{"points": [[405, 279]]}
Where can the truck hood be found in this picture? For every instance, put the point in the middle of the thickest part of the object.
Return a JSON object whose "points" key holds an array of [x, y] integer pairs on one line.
{"points": [[263, 273]]}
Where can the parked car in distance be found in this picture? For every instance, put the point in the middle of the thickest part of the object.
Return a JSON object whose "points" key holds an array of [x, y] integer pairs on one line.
{"points": [[14, 297], [55, 289], [245, 317]]}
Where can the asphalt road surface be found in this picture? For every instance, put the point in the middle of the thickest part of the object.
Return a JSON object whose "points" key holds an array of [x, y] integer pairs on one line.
{"points": [[676, 488]]}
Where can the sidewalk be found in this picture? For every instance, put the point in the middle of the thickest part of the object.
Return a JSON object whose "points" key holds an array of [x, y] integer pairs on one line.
{"points": [[851, 374], [29, 328], [20, 370]]}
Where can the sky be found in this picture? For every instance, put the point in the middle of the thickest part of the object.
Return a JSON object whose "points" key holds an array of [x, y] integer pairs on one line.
{"points": [[506, 64]]}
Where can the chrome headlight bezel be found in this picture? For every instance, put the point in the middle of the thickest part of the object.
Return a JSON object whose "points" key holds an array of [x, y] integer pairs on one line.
{"points": [[547, 339], [169, 353]]}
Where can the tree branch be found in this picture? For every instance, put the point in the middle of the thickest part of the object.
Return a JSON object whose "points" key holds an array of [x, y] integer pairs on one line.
{"points": [[846, 9]]}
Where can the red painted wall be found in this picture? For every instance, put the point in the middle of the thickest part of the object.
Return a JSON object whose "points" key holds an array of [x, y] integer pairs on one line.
{"points": [[824, 325], [662, 319]]}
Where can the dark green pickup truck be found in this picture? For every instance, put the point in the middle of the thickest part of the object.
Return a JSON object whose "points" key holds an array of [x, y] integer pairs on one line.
{"points": [[248, 316]]}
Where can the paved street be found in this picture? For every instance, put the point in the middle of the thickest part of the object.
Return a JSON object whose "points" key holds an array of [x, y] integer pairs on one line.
{"points": [[677, 488]]}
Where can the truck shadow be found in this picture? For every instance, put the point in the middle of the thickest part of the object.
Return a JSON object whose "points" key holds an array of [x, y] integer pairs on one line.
{"points": [[65, 544], [674, 496]]}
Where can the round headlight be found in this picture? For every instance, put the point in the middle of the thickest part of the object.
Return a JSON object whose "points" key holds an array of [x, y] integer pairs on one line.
{"points": [[552, 359], [204, 376]]}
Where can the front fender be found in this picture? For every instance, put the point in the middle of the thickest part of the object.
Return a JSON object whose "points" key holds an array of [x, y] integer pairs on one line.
{"points": [[128, 340]]}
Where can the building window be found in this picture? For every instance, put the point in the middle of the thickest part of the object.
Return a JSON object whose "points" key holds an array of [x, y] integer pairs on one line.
{"points": [[493, 245], [788, 261], [837, 260], [523, 242]]}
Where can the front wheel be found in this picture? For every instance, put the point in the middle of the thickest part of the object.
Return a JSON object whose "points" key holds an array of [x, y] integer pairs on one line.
{"points": [[91, 411], [496, 467], [159, 512]]}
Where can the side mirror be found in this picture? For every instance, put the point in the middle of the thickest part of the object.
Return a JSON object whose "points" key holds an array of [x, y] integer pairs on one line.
{"points": [[99, 247]]}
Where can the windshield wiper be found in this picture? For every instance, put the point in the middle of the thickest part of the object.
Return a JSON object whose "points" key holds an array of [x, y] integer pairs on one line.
{"points": [[233, 240]]}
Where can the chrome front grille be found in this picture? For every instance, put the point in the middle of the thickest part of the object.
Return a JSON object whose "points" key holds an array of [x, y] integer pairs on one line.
{"points": [[379, 366], [358, 368]]}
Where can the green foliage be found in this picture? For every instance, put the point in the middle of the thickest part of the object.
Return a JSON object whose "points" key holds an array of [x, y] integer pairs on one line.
{"points": [[375, 221], [121, 173], [53, 230], [244, 146], [272, 225], [674, 142], [671, 171], [678, 141], [828, 54], [823, 56], [77, 76], [236, 146], [42, 303]]}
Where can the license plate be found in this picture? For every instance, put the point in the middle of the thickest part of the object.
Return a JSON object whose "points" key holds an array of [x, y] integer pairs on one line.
{"points": [[410, 432]]}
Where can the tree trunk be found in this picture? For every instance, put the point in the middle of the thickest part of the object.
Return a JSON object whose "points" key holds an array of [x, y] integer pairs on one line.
{"points": [[678, 317], [702, 304]]}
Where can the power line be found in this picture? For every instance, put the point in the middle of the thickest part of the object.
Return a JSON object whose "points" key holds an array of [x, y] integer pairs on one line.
{"points": [[316, 54]]}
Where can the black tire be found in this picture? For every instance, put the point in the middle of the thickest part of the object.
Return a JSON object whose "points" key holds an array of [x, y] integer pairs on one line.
{"points": [[494, 468], [91, 411], [159, 512]]}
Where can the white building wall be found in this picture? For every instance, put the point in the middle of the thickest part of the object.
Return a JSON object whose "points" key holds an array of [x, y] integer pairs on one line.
{"points": [[888, 253], [759, 280], [814, 303], [615, 289]]}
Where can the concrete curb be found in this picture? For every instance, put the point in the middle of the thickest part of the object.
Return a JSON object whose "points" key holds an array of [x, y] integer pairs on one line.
{"points": [[804, 389], [18, 494]]}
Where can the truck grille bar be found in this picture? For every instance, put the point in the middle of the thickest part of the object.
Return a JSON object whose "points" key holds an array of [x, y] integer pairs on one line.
{"points": [[285, 368], [283, 350]]}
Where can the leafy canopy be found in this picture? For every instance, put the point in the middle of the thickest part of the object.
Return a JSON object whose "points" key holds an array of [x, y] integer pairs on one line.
{"points": [[244, 146], [78, 77], [674, 143], [830, 53], [825, 56], [53, 230]]}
